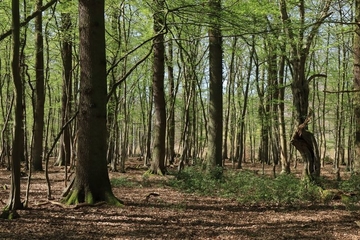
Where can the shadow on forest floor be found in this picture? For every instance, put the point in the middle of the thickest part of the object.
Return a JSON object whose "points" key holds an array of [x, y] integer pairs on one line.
{"points": [[171, 215]]}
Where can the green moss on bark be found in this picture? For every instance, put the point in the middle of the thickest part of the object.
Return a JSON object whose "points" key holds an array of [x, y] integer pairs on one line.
{"points": [[112, 200], [72, 198], [9, 214], [109, 198]]}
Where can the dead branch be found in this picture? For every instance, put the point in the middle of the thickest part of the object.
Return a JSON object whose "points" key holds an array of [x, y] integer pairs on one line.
{"points": [[77, 206], [342, 91], [302, 126], [315, 76], [155, 194]]}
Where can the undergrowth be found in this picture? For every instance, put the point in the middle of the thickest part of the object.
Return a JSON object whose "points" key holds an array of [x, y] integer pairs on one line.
{"points": [[121, 182], [248, 187]]}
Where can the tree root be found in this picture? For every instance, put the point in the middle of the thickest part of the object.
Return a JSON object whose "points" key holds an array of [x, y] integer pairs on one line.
{"points": [[109, 198], [155, 194], [77, 206], [9, 214]]}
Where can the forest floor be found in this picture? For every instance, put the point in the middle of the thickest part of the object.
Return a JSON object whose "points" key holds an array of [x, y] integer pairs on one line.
{"points": [[171, 215]]}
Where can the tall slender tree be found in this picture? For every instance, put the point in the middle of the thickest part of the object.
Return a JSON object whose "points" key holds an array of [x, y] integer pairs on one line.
{"points": [[66, 53], [37, 150], [159, 131], [92, 182], [215, 124], [14, 202]]}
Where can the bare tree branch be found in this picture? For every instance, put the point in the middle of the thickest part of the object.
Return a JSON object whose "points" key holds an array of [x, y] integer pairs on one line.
{"points": [[28, 19]]}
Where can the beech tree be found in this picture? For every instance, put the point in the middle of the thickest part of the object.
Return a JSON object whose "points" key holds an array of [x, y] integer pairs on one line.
{"points": [[158, 154], [215, 126], [92, 182]]}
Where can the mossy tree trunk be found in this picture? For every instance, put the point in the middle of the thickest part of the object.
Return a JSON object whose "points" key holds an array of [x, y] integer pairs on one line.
{"points": [[92, 182]]}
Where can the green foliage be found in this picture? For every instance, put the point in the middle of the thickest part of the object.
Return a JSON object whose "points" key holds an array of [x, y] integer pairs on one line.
{"points": [[351, 185], [195, 180], [351, 188], [248, 187], [121, 182]]}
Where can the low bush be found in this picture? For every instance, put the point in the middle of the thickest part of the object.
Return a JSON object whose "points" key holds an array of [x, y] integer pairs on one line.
{"points": [[121, 182], [248, 187]]}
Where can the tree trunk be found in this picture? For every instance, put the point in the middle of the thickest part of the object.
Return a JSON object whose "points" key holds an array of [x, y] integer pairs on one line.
{"points": [[171, 109], [284, 155], [305, 143], [230, 90], [14, 202], [37, 150], [66, 52], [159, 131], [241, 135], [92, 182], [356, 164], [215, 124]]}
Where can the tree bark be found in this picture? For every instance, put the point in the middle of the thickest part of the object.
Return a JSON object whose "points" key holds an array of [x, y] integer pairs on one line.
{"points": [[300, 85], [159, 130], [14, 202], [92, 182], [171, 109], [37, 150], [356, 163], [215, 124], [66, 53]]}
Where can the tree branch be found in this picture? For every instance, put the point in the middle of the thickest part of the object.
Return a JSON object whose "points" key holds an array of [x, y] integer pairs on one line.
{"points": [[315, 76], [115, 85], [28, 19]]}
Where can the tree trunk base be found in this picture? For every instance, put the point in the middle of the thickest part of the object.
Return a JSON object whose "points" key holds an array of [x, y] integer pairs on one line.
{"points": [[304, 141], [157, 171], [74, 198], [9, 214]]}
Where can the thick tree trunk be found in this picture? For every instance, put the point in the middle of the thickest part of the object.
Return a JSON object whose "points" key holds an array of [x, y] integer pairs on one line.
{"points": [[92, 182], [304, 141], [356, 164], [215, 125], [159, 130]]}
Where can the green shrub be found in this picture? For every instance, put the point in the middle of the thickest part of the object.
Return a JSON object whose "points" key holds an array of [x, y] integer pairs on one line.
{"points": [[248, 187], [195, 180], [351, 185], [121, 182]]}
